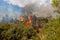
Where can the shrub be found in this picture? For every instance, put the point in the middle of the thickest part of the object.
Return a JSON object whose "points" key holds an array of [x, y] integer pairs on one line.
{"points": [[51, 30], [14, 32]]}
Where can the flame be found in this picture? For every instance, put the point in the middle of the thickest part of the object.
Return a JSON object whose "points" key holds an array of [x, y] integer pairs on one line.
{"points": [[28, 22]]}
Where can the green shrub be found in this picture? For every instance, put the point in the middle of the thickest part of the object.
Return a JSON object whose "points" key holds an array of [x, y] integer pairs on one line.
{"points": [[52, 30], [14, 32]]}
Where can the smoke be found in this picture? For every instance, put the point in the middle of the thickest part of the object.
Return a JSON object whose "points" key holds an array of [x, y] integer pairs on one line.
{"points": [[38, 10], [36, 7], [23, 3]]}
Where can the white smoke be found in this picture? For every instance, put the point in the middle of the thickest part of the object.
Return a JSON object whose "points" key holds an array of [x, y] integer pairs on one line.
{"points": [[22, 3]]}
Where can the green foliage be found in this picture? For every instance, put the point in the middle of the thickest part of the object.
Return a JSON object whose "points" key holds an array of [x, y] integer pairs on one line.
{"points": [[14, 32], [56, 3], [52, 30]]}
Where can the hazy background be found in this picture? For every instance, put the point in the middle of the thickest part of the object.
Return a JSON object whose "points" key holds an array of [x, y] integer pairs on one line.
{"points": [[14, 8]]}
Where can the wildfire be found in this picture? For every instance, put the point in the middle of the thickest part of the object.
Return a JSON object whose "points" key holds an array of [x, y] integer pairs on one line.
{"points": [[28, 22]]}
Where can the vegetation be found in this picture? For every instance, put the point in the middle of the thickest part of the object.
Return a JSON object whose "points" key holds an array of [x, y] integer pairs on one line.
{"points": [[56, 4], [50, 31], [14, 32], [18, 31]]}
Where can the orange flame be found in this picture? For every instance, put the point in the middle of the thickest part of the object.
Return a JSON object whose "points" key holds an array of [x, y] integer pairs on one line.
{"points": [[28, 22]]}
